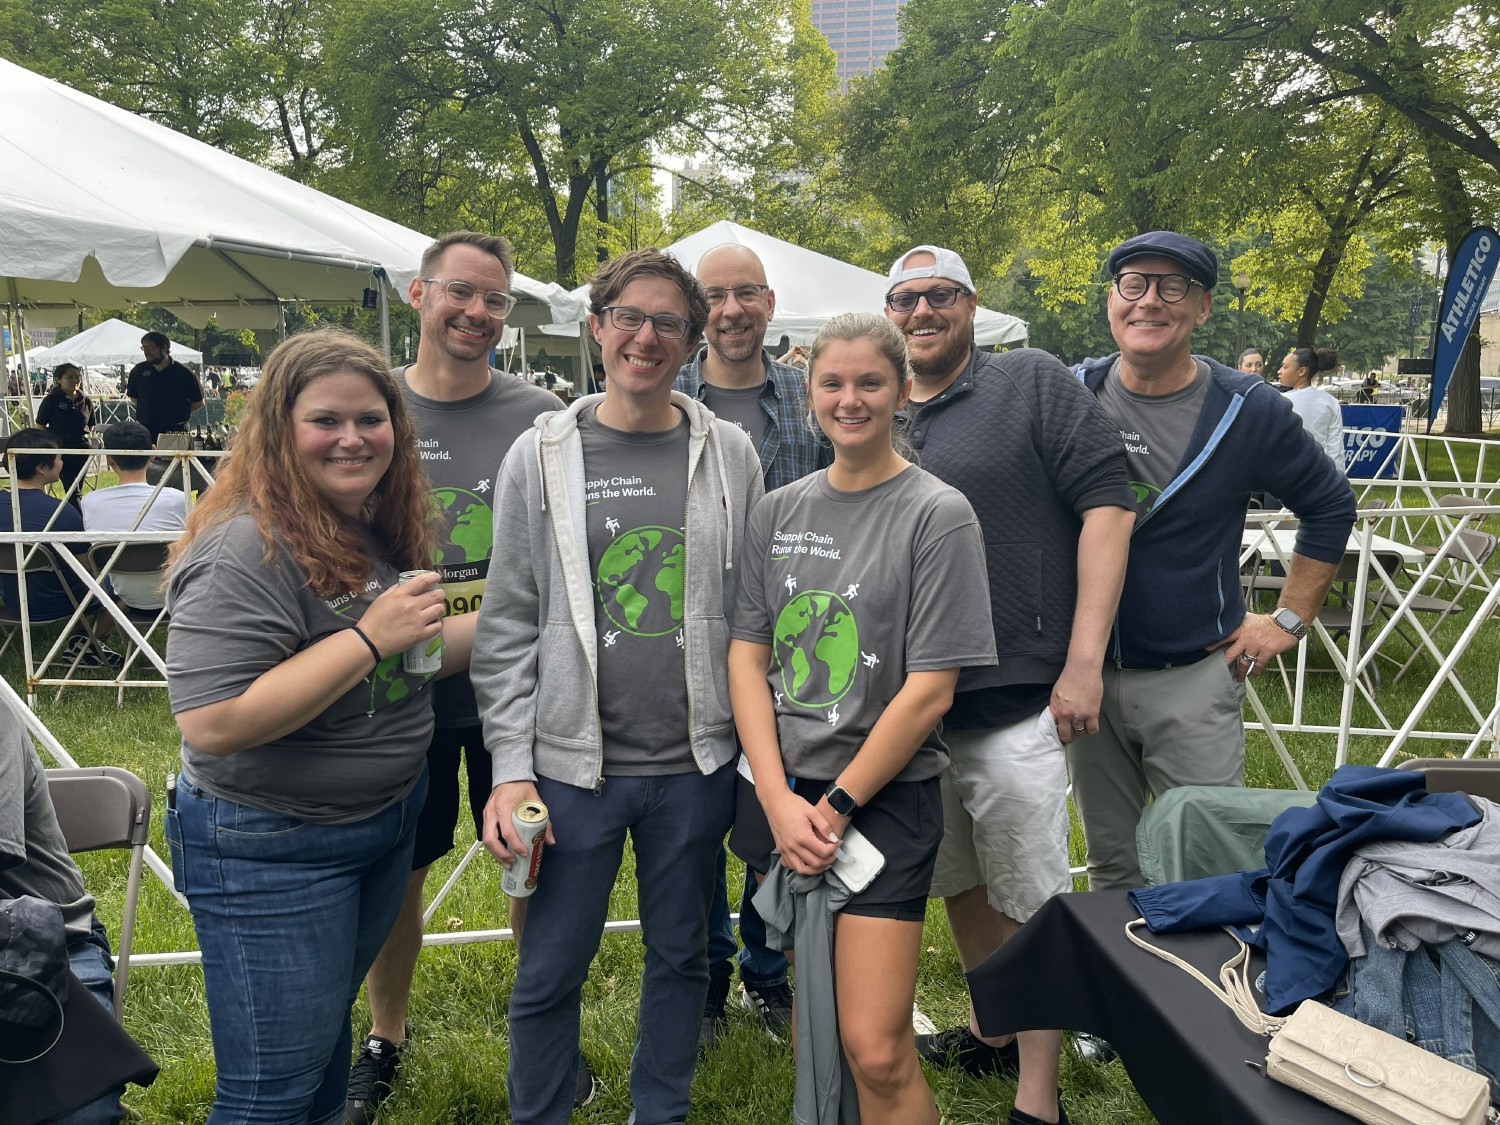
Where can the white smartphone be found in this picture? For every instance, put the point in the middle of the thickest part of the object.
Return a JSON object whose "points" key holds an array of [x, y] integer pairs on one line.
{"points": [[857, 861]]}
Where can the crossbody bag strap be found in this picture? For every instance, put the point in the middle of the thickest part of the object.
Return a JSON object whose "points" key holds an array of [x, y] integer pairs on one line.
{"points": [[1233, 989]]}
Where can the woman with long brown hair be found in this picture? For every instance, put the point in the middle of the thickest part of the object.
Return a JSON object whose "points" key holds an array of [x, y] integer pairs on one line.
{"points": [[303, 739]]}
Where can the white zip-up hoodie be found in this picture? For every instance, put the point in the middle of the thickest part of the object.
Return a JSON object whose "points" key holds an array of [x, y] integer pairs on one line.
{"points": [[535, 659]]}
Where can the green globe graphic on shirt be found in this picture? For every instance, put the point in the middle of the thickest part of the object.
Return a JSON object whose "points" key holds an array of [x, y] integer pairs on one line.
{"points": [[817, 648], [640, 580], [468, 522]]}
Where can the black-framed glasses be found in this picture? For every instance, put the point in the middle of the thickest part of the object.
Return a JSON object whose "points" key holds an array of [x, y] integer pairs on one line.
{"points": [[749, 293], [629, 319], [461, 294], [938, 297], [1170, 287]]}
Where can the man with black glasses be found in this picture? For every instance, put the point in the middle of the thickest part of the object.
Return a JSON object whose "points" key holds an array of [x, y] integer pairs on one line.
{"points": [[1043, 469], [1199, 439], [735, 378], [601, 681], [466, 415]]}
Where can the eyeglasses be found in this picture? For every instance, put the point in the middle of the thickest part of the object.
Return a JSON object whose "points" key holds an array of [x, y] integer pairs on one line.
{"points": [[1170, 287], [747, 294], [940, 297], [628, 319], [461, 295]]}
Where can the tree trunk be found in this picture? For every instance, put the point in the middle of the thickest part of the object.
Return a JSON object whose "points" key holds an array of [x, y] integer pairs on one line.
{"points": [[601, 212], [1457, 209], [1322, 279]]}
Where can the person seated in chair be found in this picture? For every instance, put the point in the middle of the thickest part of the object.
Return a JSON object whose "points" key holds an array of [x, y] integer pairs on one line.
{"points": [[47, 600], [133, 505], [34, 861]]}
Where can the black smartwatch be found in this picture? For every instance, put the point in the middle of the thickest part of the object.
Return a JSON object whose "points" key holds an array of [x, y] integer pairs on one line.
{"points": [[839, 799]]}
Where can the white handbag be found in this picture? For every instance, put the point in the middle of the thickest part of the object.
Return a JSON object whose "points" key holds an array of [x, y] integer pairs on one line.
{"points": [[1363, 1071]]}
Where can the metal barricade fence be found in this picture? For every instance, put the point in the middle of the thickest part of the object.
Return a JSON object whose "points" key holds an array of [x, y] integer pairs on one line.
{"points": [[1351, 659]]}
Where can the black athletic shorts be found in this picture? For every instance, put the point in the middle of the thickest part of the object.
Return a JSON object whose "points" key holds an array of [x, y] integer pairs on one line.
{"points": [[439, 819], [904, 821]]}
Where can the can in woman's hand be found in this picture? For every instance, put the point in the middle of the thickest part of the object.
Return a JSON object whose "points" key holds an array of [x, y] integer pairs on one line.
{"points": [[425, 657]]}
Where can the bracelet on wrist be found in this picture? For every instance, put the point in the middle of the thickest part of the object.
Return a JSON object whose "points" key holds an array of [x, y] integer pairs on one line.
{"points": [[369, 644]]}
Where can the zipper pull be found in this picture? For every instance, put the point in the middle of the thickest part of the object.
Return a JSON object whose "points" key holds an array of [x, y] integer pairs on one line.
{"points": [[599, 787]]}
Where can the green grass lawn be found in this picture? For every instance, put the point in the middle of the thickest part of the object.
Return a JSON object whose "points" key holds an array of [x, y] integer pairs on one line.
{"points": [[455, 1070]]}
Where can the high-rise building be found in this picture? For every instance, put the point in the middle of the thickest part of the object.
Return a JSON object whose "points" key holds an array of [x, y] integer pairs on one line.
{"points": [[861, 32]]}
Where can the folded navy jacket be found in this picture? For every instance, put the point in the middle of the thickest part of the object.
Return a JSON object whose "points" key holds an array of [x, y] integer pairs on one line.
{"points": [[1292, 899]]}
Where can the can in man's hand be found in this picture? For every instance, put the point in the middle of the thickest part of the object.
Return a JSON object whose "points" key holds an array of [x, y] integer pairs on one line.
{"points": [[529, 821], [425, 657]]}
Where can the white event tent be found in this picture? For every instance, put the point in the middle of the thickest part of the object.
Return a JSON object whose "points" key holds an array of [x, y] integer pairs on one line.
{"points": [[811, 288], [100, 208], [114, 342]]}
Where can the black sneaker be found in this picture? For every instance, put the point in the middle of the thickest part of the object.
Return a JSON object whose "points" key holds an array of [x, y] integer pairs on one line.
{"points": [[772, 1003], [958, 1047], [80, 654], [1092, 1049], [585, 1085], [370, 1080], [1018, 1118], [714, 1020]]}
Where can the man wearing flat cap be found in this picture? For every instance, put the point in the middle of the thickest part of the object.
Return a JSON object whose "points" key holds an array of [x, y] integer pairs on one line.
{"points": [[1042, 466], [1199, 439]]}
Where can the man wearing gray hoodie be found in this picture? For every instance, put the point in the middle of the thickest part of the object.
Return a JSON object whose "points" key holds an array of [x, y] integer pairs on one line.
{"points": [[602, 684]]}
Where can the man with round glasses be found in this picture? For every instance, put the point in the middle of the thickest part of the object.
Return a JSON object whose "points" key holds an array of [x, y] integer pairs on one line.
{"points": [[1042, 467], [1199, 439], [734, 377], [467, 415]]}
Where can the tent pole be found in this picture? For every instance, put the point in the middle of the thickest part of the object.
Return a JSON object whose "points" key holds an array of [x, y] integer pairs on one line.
{"points": [[586, 372], [18, 331], [10, 315], [385, 315]]}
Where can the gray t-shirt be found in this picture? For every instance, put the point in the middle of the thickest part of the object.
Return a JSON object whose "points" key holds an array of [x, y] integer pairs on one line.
{"points": [[637, 503], [740, 405], [852, 591], [235, 617], [461, 444], [34, 856], [1156, 430]]}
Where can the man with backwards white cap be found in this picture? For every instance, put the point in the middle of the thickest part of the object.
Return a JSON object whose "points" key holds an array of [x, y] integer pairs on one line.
{"points": [[1044, 469]]}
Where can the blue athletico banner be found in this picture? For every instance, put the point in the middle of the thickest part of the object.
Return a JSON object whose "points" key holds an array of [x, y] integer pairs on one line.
{"points": [[1468, 280], [1370, 440]]}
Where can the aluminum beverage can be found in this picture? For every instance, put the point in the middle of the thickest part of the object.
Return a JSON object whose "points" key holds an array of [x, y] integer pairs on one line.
{"points": [[425, 657], [529, 820]]}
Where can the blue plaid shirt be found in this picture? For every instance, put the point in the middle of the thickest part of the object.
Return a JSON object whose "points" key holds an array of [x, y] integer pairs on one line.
{"points": [[789, 450]]}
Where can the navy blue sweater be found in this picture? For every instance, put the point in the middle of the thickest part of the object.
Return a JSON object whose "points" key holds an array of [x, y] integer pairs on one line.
{"points": [[1182, 584]]}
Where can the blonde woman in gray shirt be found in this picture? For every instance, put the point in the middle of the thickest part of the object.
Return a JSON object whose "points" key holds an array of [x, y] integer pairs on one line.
{"points": [[863, 593]]}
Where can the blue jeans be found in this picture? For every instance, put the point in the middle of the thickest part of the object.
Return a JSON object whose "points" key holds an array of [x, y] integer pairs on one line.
{"points": [[289, 915], [1451, 1009], [89, 959], [759, 966], [676, 824]]}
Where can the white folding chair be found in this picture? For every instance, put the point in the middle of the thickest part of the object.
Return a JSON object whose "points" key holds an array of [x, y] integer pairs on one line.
{"points": [[106, 807]]}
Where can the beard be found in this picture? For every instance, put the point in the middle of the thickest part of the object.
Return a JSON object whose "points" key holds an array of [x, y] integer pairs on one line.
{"points": [[939, 364]]}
